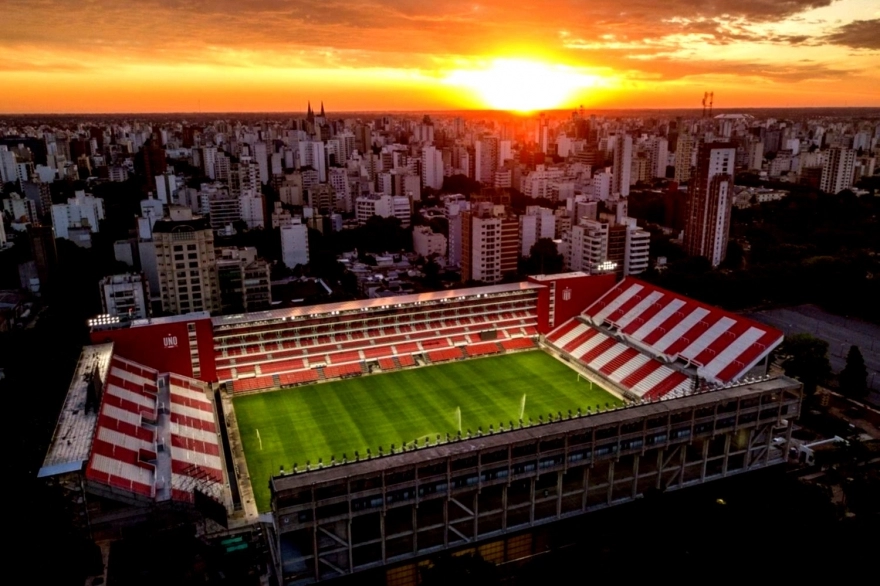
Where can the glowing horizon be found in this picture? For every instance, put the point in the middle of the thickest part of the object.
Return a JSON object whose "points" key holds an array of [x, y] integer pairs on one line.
{"points": [[395, 55]]}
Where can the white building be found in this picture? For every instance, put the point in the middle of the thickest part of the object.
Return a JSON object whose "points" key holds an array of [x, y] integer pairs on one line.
{"points": [[261, 157], [604, 245], [432, 167], [383, 205], [311, 153], [658, 155], [20, 209], [125, 295], [426, 242], [167, 185], [709, 202], [537, 223], [538, 182], [280, 216], [837, 173], [80, 211], [620, 174], [8, 165], [454, 206], [252, 210], [294, 243]]}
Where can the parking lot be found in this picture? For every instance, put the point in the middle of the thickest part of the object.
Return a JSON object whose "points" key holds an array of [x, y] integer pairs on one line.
{"points": [[840, 333]]}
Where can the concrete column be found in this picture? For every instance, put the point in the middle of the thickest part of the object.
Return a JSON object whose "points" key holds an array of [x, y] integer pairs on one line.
{"points": [[610, 481], [705, 460], [726, 455], [558, 493], [504, 507], [315, 548], [382, 535], [532, 500], [635, 486], [476, 510], [415, 525]]}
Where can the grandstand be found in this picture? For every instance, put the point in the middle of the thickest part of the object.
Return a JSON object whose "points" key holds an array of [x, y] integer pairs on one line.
{"points": [[261, 351], [699, 405], [137, 436], [652, 343]]}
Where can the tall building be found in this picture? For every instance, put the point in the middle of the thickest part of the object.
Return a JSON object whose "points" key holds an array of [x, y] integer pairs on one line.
{"points": [[244, 177], [684, 149], [537, 223], [44, 253], [432, 168], [80, 211], [294, 244], [622, 165], [8, 165], [385, 206], [167, 185], [490, 243], [658, 156], [244, 280], [837, 173], [453, 211], [125, 295], [152, 161], [485, 159], [209, 161], [709, 202], [21, 209], [607, 246], [186, 263]]}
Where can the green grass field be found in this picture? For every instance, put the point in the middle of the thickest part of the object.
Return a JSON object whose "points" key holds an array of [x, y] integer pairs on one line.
{"points": [[297, 425]]}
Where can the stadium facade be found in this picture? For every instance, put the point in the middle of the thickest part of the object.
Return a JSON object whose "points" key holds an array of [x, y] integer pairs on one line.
{"points": [[148, 424]]}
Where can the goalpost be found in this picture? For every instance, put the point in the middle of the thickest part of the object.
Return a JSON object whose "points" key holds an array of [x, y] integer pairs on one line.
{"points": [[581, 377]]}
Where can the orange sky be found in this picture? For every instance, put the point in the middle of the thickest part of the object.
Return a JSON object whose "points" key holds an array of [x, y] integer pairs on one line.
{"points": [[273, 55]]}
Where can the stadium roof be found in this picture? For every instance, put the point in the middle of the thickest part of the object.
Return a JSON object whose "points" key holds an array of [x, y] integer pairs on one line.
{"points": [[722, 345], [364, 304], [72, 439]]}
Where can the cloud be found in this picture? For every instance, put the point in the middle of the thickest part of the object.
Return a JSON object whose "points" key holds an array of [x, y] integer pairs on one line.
{"points": [[859, 34], [671, 39]]}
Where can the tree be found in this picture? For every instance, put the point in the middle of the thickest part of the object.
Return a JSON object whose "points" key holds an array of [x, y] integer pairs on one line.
{"points": [[806, 359], [544, 258], [853, 378]]}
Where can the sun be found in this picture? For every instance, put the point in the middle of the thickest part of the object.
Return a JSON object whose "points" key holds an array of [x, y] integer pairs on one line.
{"points": [[521, 85]]}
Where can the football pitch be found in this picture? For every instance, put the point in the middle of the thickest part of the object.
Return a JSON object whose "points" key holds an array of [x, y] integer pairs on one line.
{"points": [[301, 425]]}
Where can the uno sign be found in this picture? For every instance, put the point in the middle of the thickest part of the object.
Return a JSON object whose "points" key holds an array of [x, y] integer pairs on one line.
{"points": [[169, 341]]}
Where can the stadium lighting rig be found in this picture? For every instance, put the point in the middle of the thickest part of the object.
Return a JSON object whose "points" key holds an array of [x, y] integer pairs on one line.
{"points": [[105, 319]]}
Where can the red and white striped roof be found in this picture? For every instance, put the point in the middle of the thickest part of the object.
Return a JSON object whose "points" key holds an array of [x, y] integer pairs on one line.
{"points": [[124, 453], [123, 449], [638, 373], [195, 445], [723, 346]]}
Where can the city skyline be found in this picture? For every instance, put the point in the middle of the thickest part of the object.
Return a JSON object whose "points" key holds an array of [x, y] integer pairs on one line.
{"points": [[392, 55]]}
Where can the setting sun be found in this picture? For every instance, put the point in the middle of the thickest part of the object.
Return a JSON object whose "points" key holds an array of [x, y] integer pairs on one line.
{"points": [[523, 86]]}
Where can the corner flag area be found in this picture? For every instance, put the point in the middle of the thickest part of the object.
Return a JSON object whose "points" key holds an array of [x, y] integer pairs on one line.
{"points": [[335, 420]]}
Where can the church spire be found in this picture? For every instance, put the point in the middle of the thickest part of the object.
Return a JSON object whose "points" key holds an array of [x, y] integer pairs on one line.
{"points": [[322, 108]]}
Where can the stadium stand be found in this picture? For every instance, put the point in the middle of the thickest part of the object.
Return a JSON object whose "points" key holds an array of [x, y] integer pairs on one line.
{"points": [[723, 346], [344, 333], [141, 410], [656, 344]]}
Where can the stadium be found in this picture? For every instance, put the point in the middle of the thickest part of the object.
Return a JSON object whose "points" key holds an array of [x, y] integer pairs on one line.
{"points": [[369, 434]]}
